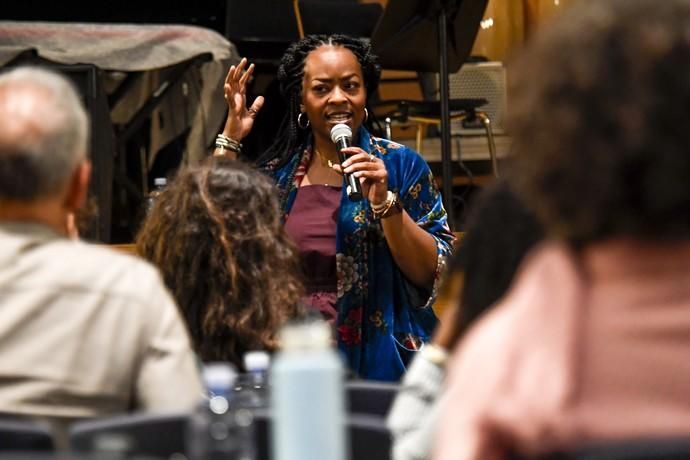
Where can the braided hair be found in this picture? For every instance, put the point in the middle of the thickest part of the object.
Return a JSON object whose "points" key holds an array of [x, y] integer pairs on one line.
{"points": [[290, 76]]}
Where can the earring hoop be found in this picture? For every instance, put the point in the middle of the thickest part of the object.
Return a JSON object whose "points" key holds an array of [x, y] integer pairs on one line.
{"points": [[366, 114], [300, 122]]}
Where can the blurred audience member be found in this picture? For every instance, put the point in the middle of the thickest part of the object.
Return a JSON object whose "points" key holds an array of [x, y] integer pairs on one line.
{"points": [[499, 232], [85, 331], [216, 235], [79, 222], [591, 343]]}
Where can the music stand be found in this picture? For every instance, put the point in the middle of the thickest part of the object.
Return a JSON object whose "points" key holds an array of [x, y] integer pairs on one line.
{"points": [[403, 40]]}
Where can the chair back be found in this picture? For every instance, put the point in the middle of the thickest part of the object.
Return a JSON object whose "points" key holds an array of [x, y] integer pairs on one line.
{"points": [[370, 439], [155, 435], [368, 436], [639, 449], [24, 435], [370, 397], [262, 434]]}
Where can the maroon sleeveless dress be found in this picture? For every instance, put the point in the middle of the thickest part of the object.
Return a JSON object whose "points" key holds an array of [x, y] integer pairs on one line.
{"points": [[312, 225]]}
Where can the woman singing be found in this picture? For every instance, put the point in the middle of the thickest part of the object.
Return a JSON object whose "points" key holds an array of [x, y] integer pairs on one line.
{"points": [[371, 266]]}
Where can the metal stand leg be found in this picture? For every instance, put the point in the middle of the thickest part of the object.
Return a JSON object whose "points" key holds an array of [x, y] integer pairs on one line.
{"points": [[486, 121]]}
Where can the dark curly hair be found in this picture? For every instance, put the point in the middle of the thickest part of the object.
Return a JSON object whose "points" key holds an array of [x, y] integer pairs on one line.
{"points": [[600, 121], [290, 77], [216, 235]]}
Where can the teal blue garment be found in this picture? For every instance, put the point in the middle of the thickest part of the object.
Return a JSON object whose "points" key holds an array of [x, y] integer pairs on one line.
{"points": [[382, 317]]}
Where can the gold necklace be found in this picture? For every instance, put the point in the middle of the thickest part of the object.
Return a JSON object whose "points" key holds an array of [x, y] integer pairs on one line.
{"points": [[324, 161]]}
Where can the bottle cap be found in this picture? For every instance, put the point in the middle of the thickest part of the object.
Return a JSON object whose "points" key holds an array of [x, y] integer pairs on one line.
{"points": [[160, 181], [307, 335], [219, 377], [256, 360]]}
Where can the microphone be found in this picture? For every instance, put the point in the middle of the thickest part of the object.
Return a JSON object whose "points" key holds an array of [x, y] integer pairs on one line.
{"points": [[341, 135]]}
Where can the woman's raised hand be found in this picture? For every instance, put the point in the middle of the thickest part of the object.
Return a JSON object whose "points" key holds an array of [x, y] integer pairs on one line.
{"points": [[240, 117]]}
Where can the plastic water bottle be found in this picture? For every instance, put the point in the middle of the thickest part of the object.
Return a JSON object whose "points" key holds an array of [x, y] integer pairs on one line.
{"points": [[217, 430], [159, 184], [307, 395], [251, 387]]}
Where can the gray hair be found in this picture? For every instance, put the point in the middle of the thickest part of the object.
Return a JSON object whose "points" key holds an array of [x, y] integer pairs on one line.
{"points": [[44, 133]]}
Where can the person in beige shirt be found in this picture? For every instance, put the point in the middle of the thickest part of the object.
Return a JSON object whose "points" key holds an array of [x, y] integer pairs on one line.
{"points": [[85, 331]]}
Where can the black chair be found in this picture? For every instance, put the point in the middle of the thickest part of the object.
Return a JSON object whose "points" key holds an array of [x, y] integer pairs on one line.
{"points": [[642, 449], [22, 455], [370, 439], [18, 434], [425, 113], [676, 448], [370, 397], [262, 434], [154, 435]]}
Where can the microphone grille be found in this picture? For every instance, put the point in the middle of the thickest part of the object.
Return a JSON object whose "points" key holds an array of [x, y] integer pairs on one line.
{"points": [[340, 130]]}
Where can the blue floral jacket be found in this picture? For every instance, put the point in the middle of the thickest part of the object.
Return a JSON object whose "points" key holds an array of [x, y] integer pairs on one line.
{"points": [[382, 317]]}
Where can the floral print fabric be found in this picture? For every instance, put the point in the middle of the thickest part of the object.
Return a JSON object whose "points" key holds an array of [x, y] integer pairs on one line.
{"points": [[382, 318]]}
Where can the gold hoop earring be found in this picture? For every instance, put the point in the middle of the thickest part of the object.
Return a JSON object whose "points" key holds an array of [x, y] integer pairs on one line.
{"points": [[366, 115], [300, 122]]}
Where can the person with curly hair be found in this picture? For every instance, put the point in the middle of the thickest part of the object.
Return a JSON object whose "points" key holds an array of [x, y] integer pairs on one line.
{"points": [[216, 235], [371, 265], [590, 345]]}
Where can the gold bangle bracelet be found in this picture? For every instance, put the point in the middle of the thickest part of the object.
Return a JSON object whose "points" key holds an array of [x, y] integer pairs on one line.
{"points": [[390, 207], [390, 196]]}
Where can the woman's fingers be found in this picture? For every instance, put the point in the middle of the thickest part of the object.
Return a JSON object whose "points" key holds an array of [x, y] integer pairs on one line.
{"points": [[361, 161], [256, 106], [354, 155], [366, 167], [245, 77], [362, 165], [239, 69], [236, 76], [231, 76], [375, 176], [235, 86]]}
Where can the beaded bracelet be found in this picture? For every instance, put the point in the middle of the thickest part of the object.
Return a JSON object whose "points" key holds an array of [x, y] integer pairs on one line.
{"points": [[224, 142], [390, 207]]}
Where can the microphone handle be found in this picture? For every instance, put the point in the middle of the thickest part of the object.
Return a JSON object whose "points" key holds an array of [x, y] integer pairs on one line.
{"points": [[354, 188]]}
